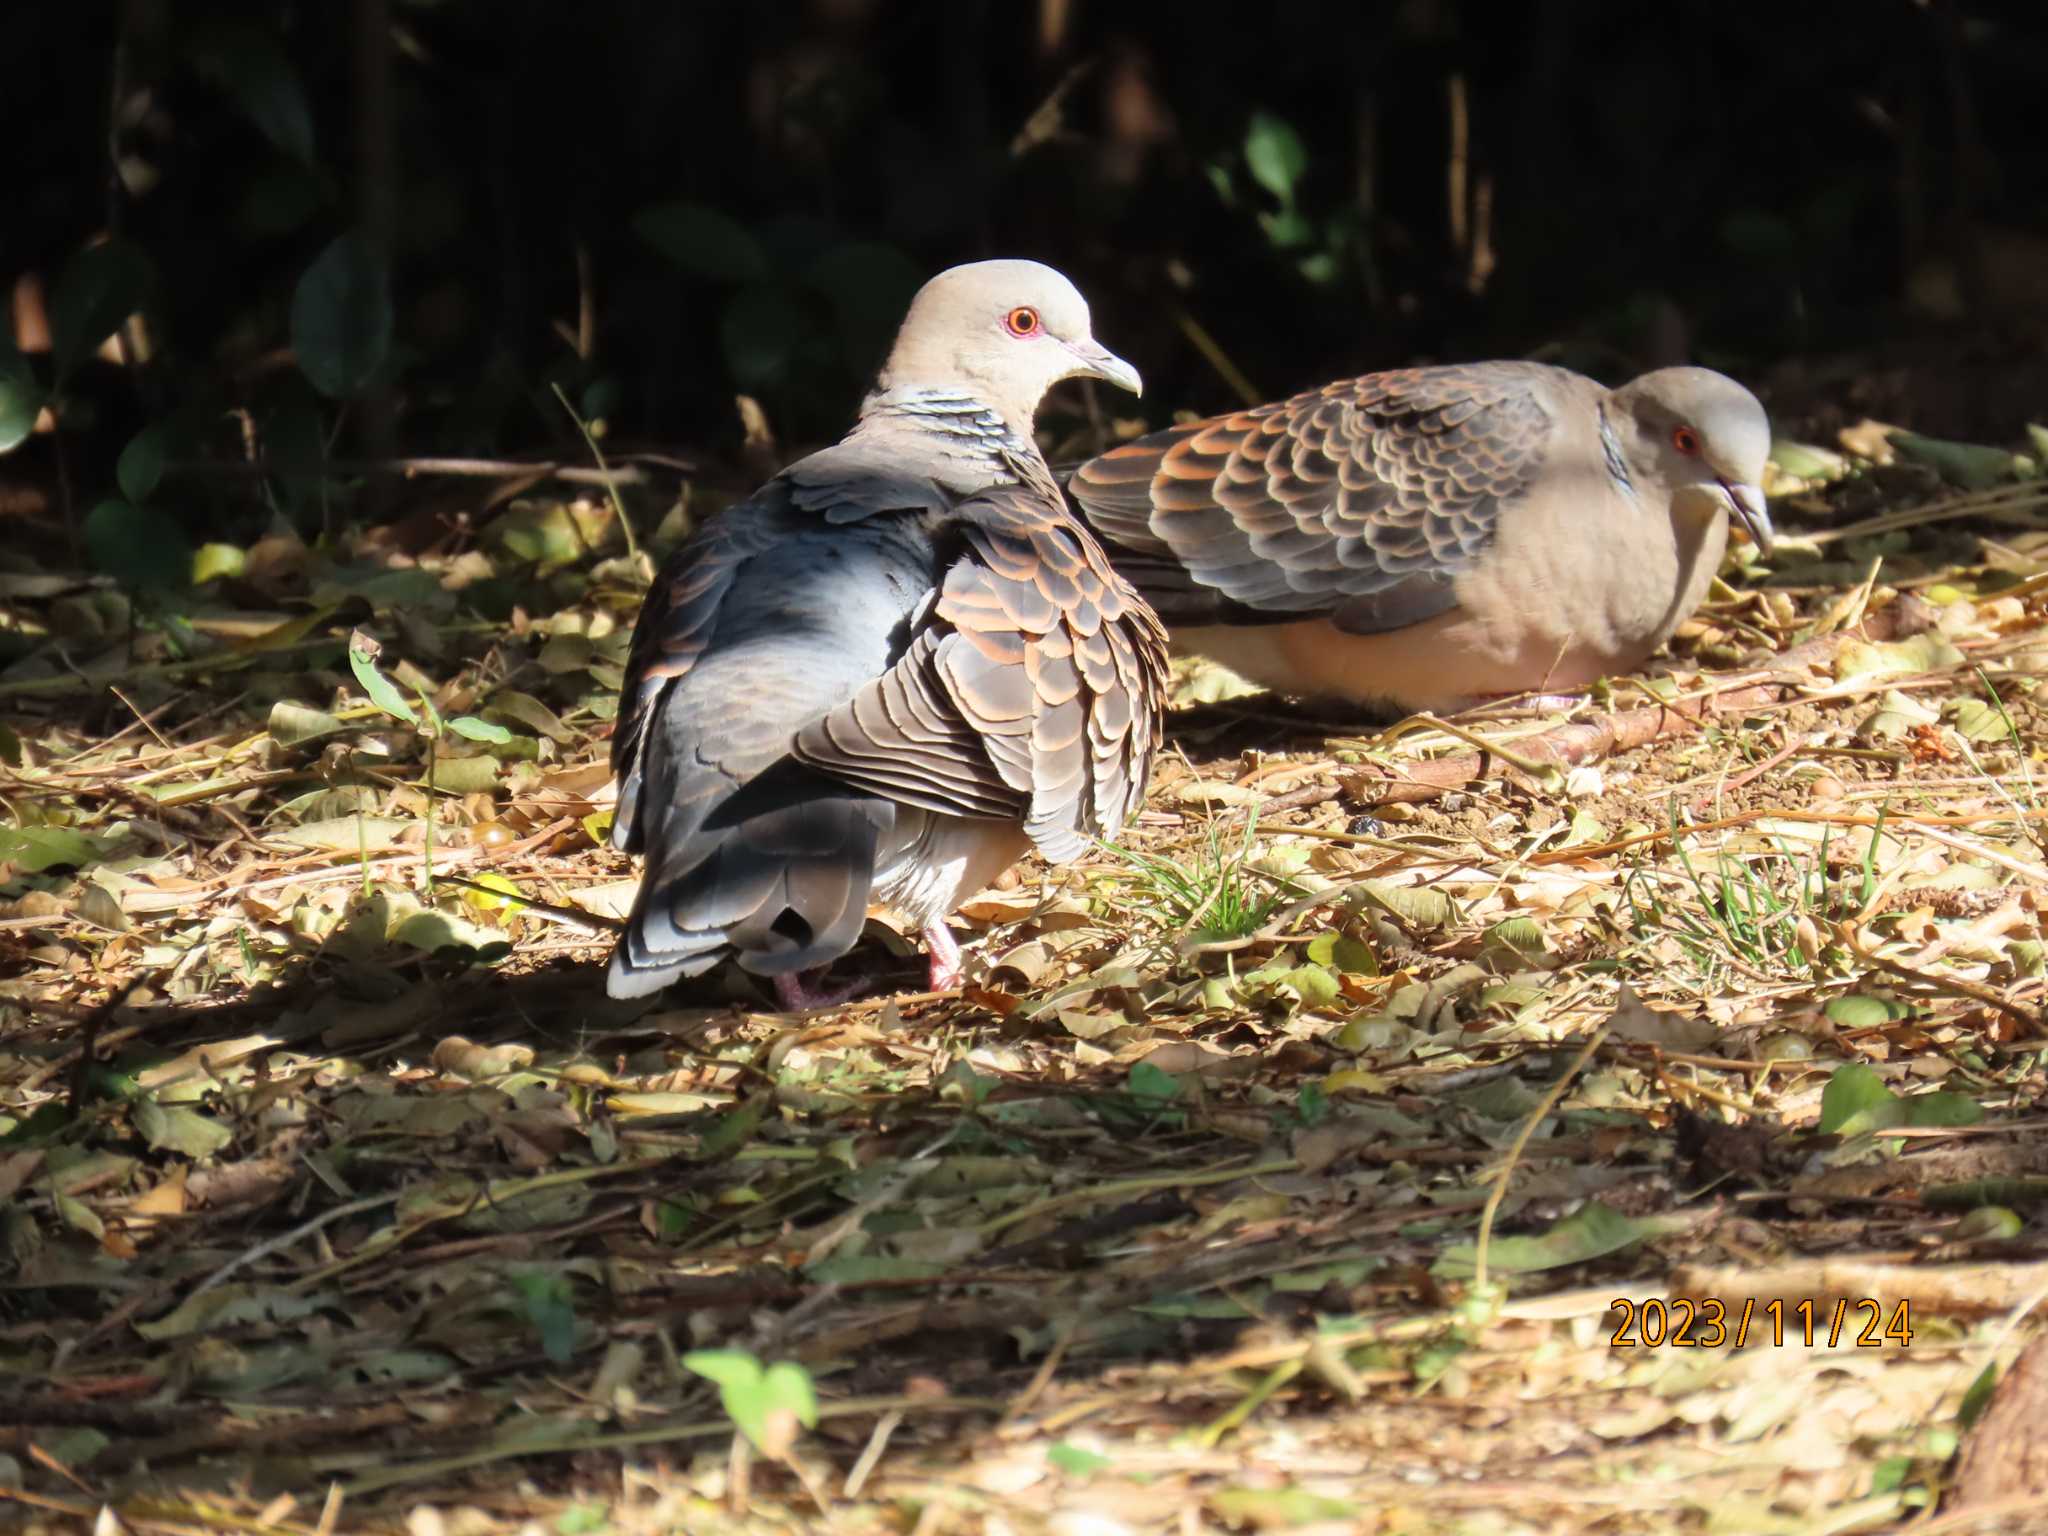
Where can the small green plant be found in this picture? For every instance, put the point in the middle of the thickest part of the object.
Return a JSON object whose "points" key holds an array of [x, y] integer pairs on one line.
{"points": [[1211, 895], [1746, 910], [765, 1403], [1149, 1100], [362, 660]]}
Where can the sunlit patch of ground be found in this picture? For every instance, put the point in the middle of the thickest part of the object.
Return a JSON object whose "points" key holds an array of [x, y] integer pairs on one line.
{"points": [[1293, 1163]]}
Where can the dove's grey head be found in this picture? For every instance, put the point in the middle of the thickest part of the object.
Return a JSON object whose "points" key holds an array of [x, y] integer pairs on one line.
{"points": [[1004, 332], [1706, 437]]}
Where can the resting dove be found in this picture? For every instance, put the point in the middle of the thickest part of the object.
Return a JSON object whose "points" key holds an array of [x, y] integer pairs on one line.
{"points": [[1434, 536], [889, 671]]}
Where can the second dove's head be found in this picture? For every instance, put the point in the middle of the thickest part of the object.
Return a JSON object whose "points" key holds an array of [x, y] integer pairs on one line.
{"points": [[1003, 331], [1706, 437]]}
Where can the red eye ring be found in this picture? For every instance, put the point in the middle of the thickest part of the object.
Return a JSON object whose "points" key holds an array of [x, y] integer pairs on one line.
{"points": [[1686, 441], [1021, 321]]}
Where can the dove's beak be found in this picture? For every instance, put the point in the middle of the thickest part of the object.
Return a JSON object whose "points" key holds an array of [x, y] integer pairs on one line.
{"points": [[1747, 502], [1098, 362]]}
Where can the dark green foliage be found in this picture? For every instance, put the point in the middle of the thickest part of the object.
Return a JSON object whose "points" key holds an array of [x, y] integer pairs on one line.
{"points": [[657, 209]]}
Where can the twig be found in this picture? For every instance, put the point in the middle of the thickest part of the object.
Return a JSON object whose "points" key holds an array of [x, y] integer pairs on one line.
{"points": [[271, 1245], [1500, 1185], [597, 453], [595, 922], [1217, 358], [871, 1453], [1700, 800], [627, 472], [2032, 1025]]}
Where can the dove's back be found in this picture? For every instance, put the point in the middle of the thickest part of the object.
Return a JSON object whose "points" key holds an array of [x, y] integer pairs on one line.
{"points": [[750, 853]]}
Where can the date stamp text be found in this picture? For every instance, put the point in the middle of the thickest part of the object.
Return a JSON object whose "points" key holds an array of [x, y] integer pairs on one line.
{"points": [[1711, 1322]]}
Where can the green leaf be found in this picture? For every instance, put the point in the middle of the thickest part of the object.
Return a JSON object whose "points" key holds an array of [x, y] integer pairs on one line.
{"points": [[1857, 1010], [251, 66], [293, 725], [702, 241], [1970, 466], [101, 287], [1312, 1104], [1275, 155], [1266, 1509], [1943, 1110], [735, 1128], [211, 562], [1591, 1232], [1315, 985], [174, 1128], [381, 690], [1979, 720], [550, 1298], [529, 712], [1149, 1082], [760, 330], [762, 1404], [341, 318], [1978, 1397], [1343, 953], [1930, 652], [35, 849], [138, 549], [1890, 1474], [141, 464], [479, 730], [1512, 942], [1076, 1460], [1806, 462], [21, 397], [465, 775], [1287, 229], [509, 897], [724, 1367], [1856, 1100]]}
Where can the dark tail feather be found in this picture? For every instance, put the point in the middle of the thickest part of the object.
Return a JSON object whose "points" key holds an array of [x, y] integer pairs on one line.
{"points": [[777, 877]]}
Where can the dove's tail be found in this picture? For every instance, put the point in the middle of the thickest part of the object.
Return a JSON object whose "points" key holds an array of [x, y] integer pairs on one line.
{"points": [[776, 877]]}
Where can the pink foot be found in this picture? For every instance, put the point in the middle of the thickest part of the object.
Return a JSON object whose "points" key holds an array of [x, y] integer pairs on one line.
{"points": [[945, 953], [803, 991]]}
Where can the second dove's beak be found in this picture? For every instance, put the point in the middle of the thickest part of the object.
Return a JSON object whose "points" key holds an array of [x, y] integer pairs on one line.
{"points": [[1748, 504], [1098, 362]]}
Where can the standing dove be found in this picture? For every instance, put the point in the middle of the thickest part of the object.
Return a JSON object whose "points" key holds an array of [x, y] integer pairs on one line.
{"points": [[889, 671], [1435, 536]]}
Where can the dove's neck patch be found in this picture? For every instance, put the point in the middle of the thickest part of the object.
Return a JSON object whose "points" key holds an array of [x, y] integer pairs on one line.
{"points": [[966, 430], [1617, 462]]}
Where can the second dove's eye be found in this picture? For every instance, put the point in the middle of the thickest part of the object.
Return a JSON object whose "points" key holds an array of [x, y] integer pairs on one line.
{"points": [[1022, 321]]}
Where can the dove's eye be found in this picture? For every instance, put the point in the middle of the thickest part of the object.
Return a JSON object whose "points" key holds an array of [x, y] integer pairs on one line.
{"points": [[1022, 321], [1686, 441]]}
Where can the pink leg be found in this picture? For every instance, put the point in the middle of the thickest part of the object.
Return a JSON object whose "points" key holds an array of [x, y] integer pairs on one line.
{"points": [[945, 953]]}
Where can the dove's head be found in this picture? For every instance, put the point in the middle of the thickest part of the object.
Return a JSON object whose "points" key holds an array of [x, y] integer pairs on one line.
{"points": [[1706, 437], [1004, 332]]}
